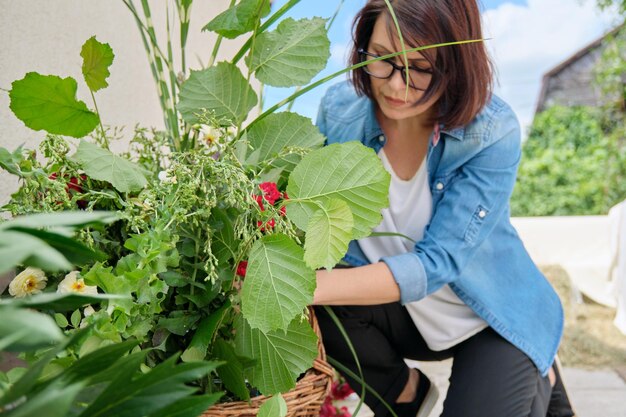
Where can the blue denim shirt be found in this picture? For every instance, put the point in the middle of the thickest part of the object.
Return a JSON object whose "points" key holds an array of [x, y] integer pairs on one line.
{"points": [[469, 243]]}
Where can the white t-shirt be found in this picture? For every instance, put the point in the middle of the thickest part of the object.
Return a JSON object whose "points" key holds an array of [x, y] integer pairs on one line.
{"points": [[441, 317]]}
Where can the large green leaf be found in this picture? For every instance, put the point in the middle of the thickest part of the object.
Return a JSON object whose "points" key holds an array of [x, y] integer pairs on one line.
{"points": [[221, 90], [145, 394], [328, 234], [239, 19], [278, 284], [103, 165], [280, 130], [21, 248], [66, 219], [292, 54], [59, 302], [231, 372], [54, 401], [280, 356], [36, 330], [350, 172], [274, 407], [48, 102], [97, 58]]}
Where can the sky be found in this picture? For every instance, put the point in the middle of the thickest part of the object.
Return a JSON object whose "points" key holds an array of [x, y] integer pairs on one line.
{"points": [[527, 38]]}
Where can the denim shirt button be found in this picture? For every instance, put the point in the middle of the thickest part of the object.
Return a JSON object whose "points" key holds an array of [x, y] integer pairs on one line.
{"points": [[381, 138], [439, 186], [482, 214]]}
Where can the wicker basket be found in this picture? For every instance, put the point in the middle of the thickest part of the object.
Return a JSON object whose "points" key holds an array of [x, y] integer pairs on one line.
{"points": [[305, 400]]}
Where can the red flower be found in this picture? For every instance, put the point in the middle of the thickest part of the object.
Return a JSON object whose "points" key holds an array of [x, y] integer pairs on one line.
{"points": [[74, 185], [270, 192], [270, 224], [242, 267], [283, 211], [340, 391]]}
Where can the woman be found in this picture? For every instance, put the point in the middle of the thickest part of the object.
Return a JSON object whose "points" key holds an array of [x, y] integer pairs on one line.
{"points": [[464, 286]]}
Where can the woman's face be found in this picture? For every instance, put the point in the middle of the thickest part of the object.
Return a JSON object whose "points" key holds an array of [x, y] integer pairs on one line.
{"points": [[390, 93]]}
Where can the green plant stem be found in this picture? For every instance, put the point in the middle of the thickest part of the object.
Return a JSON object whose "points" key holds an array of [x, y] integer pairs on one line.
{"points": [[343, 71], [253, 38], [343, 332], [406, 60], [336, 364], [104, 137], [155, 74], [169, 108], [218, 42], [273, 18], [183, 16], [170, 60]]}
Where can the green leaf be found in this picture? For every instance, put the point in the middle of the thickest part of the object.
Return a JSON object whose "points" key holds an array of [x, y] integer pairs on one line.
{"points": [[20, 248], [97, 58], [11, 161], [201, 340], [66, 219], [189, 407], [239, 19], [48, 102], [54, 401], [280, 130], [75, 318], [221, 90], [61, 320], [74, 251], [278, 284], [103, 165], [292, 54], [223, 241], [328, 234], [150, 392], [37, 330], [58, 302], [231, 372], [350, 172], [280, 356], [274, 407], [97, 361]]}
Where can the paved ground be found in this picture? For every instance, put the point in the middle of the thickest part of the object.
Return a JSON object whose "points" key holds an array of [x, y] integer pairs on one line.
{"points": [[594, 393]]}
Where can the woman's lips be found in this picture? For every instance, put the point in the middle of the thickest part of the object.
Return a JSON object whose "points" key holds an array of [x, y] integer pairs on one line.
{"points": [[395, 102]]}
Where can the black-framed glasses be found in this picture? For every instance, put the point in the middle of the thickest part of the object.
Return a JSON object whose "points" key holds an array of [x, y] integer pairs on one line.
{"points": [[419, 78]]}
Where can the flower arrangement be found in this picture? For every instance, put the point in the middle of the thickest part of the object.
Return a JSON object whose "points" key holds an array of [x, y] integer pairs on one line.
{"points": [[221, 226]]}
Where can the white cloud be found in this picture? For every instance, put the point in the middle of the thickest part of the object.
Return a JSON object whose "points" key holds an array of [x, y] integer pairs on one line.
{"points": [[527, 41]]}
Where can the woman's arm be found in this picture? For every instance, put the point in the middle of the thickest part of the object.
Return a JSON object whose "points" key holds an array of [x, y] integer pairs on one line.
{"points": [[364, 285]]}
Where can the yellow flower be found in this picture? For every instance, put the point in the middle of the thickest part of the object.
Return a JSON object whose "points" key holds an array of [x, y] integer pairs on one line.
{"points": [[29, 281], [71, 283]]}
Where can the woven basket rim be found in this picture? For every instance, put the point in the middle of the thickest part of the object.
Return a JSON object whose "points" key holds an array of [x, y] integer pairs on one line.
{"points": [[304, 400]]}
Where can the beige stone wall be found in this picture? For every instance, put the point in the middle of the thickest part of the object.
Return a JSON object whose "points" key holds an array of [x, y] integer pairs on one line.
{"points": [[46, 36]]}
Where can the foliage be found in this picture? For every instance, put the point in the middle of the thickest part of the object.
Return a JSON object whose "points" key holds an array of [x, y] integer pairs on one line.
{"points": [[572, 164], [205, 208]]}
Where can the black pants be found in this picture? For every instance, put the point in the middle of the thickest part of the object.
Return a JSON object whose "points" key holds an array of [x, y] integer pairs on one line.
{"points": [[490, 377]]}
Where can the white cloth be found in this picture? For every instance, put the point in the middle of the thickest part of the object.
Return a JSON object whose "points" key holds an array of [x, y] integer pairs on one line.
{"points": [[617, 218], [442, 318]]}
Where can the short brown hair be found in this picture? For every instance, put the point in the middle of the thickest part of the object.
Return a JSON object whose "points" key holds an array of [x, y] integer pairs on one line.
{"points": [[463, 74]]}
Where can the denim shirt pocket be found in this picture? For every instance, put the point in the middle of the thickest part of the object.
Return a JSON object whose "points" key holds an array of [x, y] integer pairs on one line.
{"points": [[478, 219]]}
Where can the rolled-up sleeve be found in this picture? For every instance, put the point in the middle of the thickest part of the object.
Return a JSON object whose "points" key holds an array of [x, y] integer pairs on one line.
{"points": [[470, 207]]}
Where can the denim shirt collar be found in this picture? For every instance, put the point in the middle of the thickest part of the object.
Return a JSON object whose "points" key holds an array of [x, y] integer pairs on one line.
{"points": [[373, 131]]}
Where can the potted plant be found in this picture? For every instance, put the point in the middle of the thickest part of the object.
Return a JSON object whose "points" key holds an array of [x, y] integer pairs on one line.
{"points": [[221, 225]]}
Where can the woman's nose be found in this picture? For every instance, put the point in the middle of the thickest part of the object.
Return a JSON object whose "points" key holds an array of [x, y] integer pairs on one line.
{"points": [[397, 80]]}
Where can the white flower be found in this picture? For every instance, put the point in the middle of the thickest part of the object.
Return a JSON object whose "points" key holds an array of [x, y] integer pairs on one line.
{"points": [[165, 177], [29, 281], [210, 134], [88, 311], [71, 283]]}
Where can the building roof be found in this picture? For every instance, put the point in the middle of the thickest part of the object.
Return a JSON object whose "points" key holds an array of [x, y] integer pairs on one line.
{"points": [[569, 61]]}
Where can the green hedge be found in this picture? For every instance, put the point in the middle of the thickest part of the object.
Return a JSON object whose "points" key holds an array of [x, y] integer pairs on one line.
{"points": [[573, 163]]}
